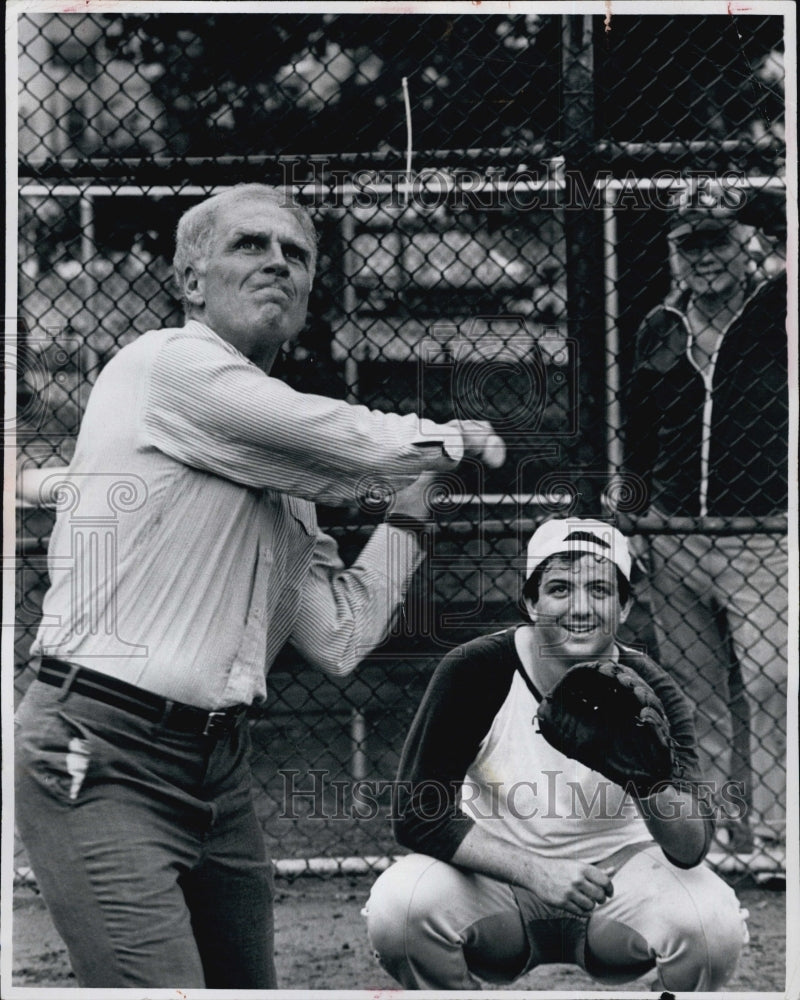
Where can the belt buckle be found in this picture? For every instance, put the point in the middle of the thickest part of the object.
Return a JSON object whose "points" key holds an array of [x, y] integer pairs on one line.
{"points": [[216, 722]]}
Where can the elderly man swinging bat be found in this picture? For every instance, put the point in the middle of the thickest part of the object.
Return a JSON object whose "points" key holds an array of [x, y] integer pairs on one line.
{"points": [[133, 780]]}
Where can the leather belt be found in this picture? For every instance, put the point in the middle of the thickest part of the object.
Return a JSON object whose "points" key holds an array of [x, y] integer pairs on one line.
{"points": [[119, 694]]}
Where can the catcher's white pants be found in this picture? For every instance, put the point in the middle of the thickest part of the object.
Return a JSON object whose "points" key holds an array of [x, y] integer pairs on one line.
{"points": [[434, 926]]}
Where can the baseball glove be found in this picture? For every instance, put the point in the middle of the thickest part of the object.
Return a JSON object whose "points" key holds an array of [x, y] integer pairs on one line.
{"points": [[605, 716]]}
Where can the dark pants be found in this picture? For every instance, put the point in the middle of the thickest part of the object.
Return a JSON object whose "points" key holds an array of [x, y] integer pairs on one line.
{"points": [[145, 845]]}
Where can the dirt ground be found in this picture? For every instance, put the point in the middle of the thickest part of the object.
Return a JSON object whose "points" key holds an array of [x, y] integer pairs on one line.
{"points": [[321, 943]]}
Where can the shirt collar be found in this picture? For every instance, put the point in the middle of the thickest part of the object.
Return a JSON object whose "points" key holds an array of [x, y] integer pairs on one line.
{"points": [[201, 330]]}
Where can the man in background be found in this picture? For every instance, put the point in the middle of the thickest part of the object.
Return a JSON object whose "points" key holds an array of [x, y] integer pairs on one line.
{"points": [[707, 431]]}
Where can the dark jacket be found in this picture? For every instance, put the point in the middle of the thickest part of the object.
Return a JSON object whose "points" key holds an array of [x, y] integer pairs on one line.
{"points": [[746, 471]]}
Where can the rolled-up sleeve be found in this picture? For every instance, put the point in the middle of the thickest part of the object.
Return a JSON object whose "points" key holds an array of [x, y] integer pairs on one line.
{"points": [[346, 612]]}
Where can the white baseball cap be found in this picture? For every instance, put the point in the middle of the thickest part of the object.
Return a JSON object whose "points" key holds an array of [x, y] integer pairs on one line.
{"points": [[576, 534]]}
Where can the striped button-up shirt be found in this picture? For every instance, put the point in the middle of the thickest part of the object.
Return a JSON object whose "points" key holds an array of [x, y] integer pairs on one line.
{"points": [[186, 549]]}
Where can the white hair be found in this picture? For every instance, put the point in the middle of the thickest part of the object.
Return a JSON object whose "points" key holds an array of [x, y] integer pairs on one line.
{"points": [[196, 225]]}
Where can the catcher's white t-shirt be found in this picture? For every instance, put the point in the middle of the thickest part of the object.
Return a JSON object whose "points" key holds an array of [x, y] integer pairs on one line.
{"points": [[473, 755], [527, 792]]}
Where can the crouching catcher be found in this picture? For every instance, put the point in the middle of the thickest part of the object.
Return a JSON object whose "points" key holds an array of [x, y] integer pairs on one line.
{"points": [[549, 789]]}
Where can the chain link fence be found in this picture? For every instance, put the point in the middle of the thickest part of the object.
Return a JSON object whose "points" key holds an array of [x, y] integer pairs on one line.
{"points": [[496, 244]]}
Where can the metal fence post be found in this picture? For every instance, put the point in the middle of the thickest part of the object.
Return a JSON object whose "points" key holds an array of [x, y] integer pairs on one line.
{"points": [[583, 232]]}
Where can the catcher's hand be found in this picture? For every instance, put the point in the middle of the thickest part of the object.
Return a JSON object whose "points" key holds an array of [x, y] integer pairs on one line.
{"points": [[605, 716]]}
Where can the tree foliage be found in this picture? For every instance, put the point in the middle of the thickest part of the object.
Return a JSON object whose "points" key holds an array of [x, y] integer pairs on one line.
{"points": [[239, 83], [314, 83]]}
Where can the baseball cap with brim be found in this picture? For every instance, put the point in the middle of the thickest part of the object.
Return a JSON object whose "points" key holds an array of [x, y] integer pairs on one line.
{"points": [[705, 208], [575, 534], [700, 222]]}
